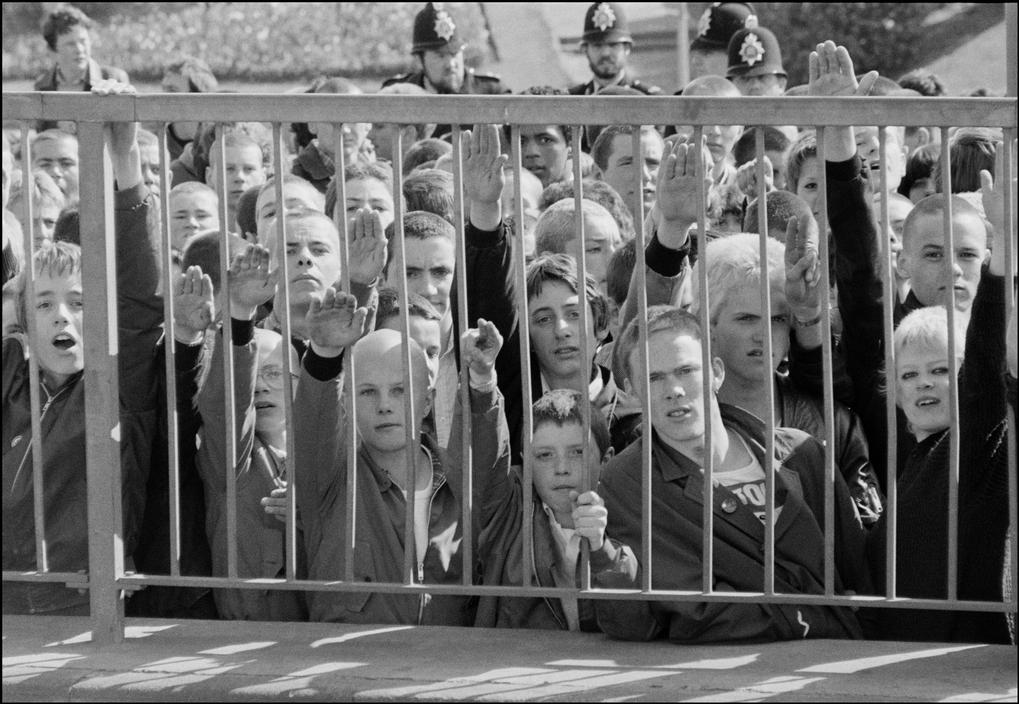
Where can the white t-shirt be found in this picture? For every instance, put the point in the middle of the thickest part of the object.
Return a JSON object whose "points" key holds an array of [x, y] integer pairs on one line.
{"points": [[747, 483]]}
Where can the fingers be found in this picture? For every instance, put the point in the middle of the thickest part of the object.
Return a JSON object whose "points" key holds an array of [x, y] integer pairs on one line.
{"points": [[588, 498], [843, 62], [867, 83], [813, 67]]}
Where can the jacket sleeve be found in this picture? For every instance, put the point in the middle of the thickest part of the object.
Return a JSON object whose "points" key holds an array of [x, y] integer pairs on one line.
{"points": [[212, 455]]}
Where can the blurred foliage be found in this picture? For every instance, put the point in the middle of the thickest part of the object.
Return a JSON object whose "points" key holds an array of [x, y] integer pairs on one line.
{"points": [[247, 41]]}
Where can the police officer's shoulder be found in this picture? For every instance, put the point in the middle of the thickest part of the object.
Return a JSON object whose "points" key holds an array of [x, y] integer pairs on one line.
{"points": [[409, 77], [488, 82], [645, 89], [579, 89]]}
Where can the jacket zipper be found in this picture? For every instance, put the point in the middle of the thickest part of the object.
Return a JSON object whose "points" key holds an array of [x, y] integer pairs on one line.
{"points": [[42, 414], [423, 599]]}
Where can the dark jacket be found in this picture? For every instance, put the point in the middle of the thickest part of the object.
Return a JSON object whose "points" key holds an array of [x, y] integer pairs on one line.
{"points": [[314, 167], [474, 84], [676, 514], [140, 313], [589, 88], [47, 81]]}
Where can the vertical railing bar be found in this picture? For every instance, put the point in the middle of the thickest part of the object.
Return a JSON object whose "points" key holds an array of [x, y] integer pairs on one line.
{"points": [[172, 431], [769, 377], [1010, 302], [339, 216], [828, 371], [102, 389], [643, 379], [35, 381], [229, 409], [467, 456], [290, 476], [953, 373], [409, 540], [707, 373], [890, 292], [524, 327], [585, 351]]}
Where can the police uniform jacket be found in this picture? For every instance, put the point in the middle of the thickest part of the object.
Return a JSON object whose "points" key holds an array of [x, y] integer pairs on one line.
{"points": [[474, 84], [590, 88]]}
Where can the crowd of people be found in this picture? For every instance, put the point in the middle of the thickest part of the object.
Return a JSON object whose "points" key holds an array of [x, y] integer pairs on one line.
{"points": [[348, 363]]}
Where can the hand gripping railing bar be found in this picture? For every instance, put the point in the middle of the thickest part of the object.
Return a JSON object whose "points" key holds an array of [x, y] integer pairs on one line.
{"points": [[448, 109], [524, 328], [583, 302], [283, 265], [707, 375], [35, 446], [339, 214], [954, 438], [225, 314], [828, 390], [172, 429], [467, 457], [102, 389], [643, 379], [1007, 155], [410, 557], [889, 293], [769, 466]]}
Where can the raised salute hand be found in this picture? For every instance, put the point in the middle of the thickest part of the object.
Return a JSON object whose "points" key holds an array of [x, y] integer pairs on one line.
{"points": [[678, 191], [251, 283], [193, 306], [368, 247], [482, 174], [334, 322]]}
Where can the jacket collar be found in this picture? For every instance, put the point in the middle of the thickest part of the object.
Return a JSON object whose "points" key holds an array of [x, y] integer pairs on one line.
{"points": [[385, 481]]}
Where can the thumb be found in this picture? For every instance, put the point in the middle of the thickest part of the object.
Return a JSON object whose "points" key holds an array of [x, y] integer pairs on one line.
{"points": [[867, 83], [574, 495]]}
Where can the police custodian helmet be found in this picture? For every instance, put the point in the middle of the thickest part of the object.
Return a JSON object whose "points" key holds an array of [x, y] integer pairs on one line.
{"points": [[720, 21], [434, 28], [754, 51], [605, 22]]}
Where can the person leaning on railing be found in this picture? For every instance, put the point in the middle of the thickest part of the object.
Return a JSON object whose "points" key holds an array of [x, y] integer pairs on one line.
{"points": [[58, 347]]}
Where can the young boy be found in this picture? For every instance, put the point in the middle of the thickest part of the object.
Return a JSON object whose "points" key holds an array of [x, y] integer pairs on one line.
{"points": [[56, 153], [425, 324], [148, 146], [56, 342], [298, 194], [613, 154], [244, 168], [563, 514], [260, 437], [385, 472], [556, 233], [194, 208]]}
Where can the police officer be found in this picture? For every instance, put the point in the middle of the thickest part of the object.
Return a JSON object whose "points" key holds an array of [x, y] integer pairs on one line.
{"points": [[755, 62], [439, 51], [709, 51], [607, 43]]}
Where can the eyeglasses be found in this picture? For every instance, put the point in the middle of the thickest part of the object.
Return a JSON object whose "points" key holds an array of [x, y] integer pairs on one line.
{"points": [[274, 375]]}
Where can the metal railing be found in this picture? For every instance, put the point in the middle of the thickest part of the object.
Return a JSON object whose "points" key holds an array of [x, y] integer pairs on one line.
{"points": [[107, 576]]}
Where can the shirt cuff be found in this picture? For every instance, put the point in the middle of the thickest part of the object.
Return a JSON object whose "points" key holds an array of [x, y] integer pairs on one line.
{"points": [[323, 368], [844, 170], [663, 260], [243, 331]]}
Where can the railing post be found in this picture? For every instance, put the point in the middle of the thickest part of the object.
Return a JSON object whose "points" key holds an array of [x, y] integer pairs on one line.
{"points": [[1010, 49], [102, 405]]}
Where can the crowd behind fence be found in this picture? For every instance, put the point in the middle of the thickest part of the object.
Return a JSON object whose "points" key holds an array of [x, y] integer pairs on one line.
{"points": [[107, 576]]}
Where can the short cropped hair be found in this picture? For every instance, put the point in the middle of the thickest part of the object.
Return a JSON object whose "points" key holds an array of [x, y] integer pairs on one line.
{"points": [[601, 193], [419, 225], [423, 130], [935, 205], [54, 135], [430, 190], [971, 150], [560, 407], [195, 71], [378, 170], [203, 250], [659, 319], [61, 21], [59, 259], [423, 151], [191, 187], [734, 262], [146, 138], [929, 327], [565, 130], [557, 226], [601, 150], [562, 269], [745, 148], [620, 271], [781, 207], [389, 306], [920, 165], [805, 147]]}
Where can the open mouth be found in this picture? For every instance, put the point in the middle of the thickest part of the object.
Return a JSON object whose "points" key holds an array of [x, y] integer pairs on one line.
{"points": [[567, 352], [264, 405], [928, 402], [63, 341], [679, 413]]}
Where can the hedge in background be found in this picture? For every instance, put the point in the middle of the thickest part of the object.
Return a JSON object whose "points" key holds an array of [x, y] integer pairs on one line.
{"points": [[251, 41]]}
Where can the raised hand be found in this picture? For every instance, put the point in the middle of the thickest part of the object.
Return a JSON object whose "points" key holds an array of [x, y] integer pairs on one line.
{"points": [[590, 517], [368, 247], [193, 307], [251, 283], [801, 268], [121, 137], [831, 73], [478, 349], [678, 193], [483, 164], [334, 322], [746, 178]]}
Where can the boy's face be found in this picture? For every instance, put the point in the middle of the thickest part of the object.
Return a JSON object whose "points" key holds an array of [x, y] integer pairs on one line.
{"points": [[898, 210], [809, 183], [59, 158], [922, 259], [313, 259], [921, 188], [368, 193], [11, 326], [444, 68], [868, 148], [777, 159], [922, 385], [270, 391], [244, 169], [555, 331], [58, 327], [601, 234], [428, 335], [378, 374], [770, 84], [677, 388], [720, 139], [45, 223], [150, 167], [354, 135], [191, 213], [296, 196], [430, 266], [737, 336], [708, 63], [544, 151], [558, 454], [621, 175], [74, 48]]}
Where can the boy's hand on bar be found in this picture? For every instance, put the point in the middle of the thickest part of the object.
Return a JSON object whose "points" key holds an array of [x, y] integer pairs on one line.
{"points": [[590, 517], [251, 282], [478, 349], [831, 74], [678, 193], [368, 248], [193, 307], [334, 322]]}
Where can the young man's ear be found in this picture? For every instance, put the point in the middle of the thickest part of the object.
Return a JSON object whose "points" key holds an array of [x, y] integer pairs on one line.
{"points": [[902, 264], [208, 177], [718, 373], [923, 136]]}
